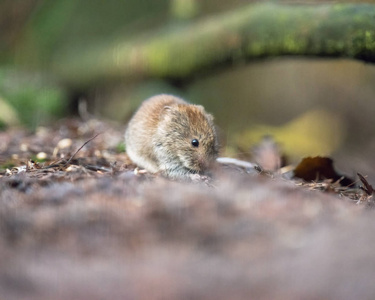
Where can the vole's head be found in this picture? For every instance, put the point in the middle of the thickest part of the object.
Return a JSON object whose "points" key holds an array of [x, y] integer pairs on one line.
{"points": [[187, 136]]}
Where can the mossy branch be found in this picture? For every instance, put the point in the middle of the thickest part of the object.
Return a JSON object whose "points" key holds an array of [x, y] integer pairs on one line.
{"points": [[251, 32]]}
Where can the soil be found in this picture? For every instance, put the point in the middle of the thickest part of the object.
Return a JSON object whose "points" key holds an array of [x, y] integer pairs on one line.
{"points": [[81, 223]]}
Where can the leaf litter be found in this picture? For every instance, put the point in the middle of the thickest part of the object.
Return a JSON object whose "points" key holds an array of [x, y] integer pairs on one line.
{"points": [[83, 208], [96, 155]]}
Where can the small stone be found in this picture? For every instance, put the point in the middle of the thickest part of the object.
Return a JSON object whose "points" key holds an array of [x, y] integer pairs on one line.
{"points": [[41, 155], [64, 143]]}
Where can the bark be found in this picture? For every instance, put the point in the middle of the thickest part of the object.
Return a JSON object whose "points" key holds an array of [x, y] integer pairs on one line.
{"points": [[251, 32]]}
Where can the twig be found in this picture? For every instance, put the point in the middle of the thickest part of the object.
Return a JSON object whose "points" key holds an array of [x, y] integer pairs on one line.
{"points": [[236, 162], [367, 187], [79, 149]]}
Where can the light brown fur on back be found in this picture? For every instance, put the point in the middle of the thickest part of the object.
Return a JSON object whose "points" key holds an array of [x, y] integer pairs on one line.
{"points": [[160, 134]]}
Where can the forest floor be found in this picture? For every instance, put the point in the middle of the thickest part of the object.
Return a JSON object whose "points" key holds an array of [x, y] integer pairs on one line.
{"points": [[79, 223]]}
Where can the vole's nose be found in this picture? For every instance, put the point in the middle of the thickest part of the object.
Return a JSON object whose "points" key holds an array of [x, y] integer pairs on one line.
{"points": [[202, 163]]}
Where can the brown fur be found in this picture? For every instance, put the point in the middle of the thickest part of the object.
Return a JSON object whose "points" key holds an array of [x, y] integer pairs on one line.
{"points": [[159, 135]]}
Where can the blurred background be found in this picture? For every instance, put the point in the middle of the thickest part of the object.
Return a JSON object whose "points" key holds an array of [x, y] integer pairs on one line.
{"points": [[51, 50]]}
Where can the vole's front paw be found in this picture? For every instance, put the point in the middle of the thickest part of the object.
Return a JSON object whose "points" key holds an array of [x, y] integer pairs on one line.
{"points": [[200, 179], [195, 177]]}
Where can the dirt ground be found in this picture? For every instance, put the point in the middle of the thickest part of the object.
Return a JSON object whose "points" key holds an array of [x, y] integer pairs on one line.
{"points": [[84, 225]]}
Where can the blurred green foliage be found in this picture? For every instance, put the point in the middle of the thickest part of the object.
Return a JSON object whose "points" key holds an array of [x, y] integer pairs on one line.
{"points": [[36, 33], [34, 97], [72, 25], [41, 38], [120, 148]]}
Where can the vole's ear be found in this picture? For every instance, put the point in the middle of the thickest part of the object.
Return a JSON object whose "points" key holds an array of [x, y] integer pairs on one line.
{"points": [[210, 118], [200, 107], [166, 112], [167, 108]]}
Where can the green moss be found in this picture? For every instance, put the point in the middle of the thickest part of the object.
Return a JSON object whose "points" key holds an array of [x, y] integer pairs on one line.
{"points": [[253, 31], [38, 160], [7, 165], [120, 148]]}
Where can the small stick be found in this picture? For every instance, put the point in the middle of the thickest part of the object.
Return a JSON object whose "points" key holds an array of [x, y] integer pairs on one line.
{"points": [[367, 187], [236, 162], [79, 149]]}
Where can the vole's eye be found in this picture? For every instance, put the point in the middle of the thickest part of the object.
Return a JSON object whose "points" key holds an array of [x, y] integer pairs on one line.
{"points": [[195, 143]]}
